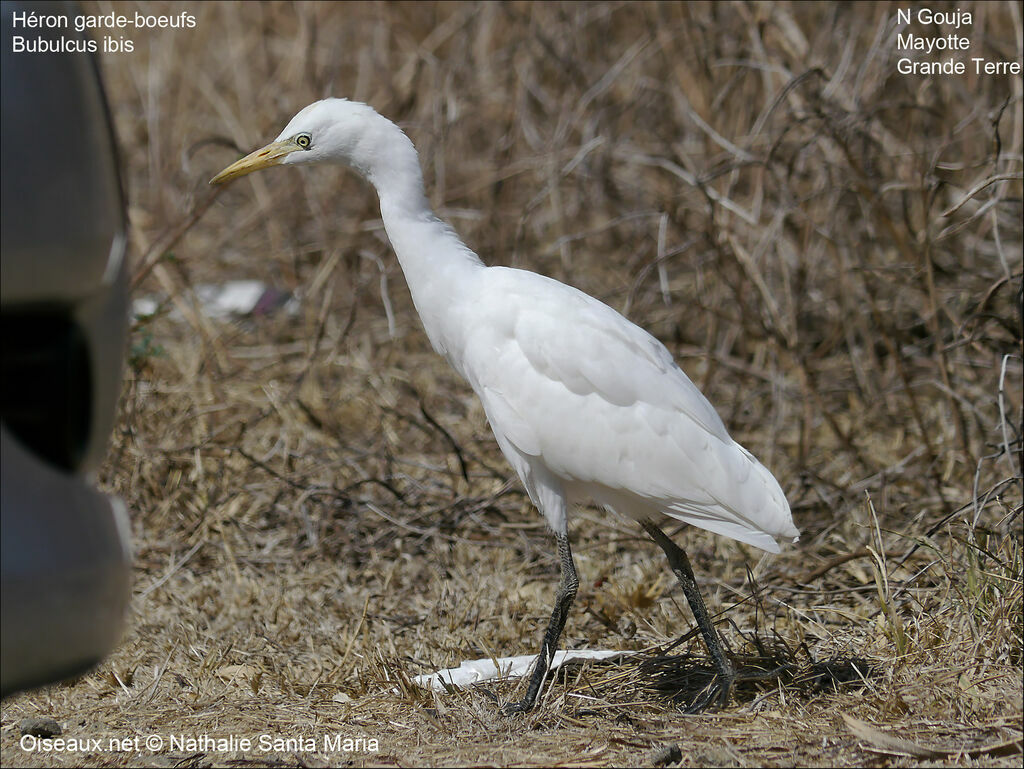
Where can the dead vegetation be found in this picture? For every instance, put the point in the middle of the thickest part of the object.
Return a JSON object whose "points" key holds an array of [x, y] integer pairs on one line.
{"points": [[833, 252]]}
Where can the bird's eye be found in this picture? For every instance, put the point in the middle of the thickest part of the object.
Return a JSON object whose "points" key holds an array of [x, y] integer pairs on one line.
{"points": [[303, 140]]}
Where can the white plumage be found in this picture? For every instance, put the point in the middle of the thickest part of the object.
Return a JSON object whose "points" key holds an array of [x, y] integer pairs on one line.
{"points": [[576, 392], [584, 404]]}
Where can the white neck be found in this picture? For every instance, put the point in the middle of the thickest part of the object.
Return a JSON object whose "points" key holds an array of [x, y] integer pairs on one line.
{"points": [[436, 263]]}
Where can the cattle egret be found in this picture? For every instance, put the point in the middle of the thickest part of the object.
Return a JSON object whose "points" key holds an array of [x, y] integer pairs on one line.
{"points": [[585, 405]]}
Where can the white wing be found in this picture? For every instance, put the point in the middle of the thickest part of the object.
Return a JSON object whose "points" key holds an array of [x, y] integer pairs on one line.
{"points": [[599, 403]]}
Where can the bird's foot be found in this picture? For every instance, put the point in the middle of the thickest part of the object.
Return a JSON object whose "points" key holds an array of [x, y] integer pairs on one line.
{"points": [[715, 693], [517, 708]]}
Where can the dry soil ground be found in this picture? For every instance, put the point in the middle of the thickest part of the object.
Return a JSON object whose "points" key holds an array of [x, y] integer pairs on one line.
{"points": [[831, 249]]}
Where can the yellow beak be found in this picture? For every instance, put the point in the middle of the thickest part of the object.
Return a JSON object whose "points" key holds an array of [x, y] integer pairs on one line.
{"points": [[268, 156]]}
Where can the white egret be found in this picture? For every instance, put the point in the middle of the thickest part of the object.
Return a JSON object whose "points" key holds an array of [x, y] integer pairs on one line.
{"points": [[584, 404]]}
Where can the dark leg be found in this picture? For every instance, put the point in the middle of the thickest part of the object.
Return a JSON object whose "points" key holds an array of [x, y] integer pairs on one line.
{"points": [[681, 566], [563, 601]]}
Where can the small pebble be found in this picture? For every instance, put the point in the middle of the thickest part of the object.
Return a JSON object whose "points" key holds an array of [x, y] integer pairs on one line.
{"points": [[39, 727]]}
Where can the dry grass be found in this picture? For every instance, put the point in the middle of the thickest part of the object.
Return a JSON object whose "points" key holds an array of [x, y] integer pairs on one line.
{"points": [[832, 251]]}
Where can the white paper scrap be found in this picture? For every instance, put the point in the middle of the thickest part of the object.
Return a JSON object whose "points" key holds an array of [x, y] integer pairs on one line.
{"points": [[234, 298], [475, 671]]}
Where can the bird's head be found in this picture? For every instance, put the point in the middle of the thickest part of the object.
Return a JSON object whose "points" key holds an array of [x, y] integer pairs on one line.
{"points": [[327, 131]]}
